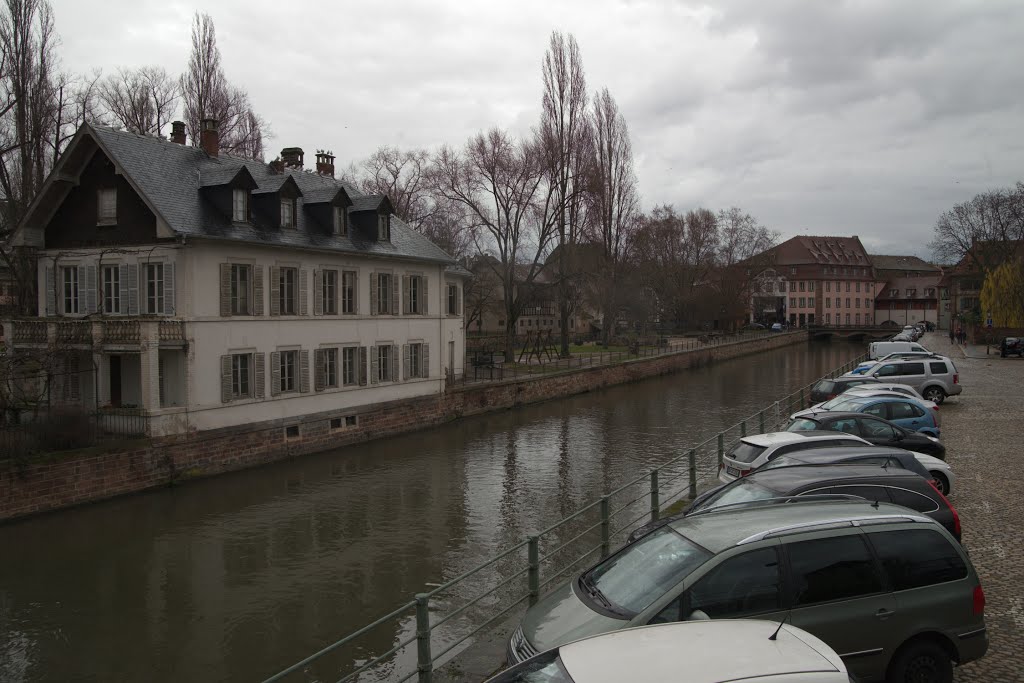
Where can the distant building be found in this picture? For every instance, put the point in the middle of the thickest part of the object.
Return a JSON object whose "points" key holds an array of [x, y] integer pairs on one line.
{"points": [[909, 290]]}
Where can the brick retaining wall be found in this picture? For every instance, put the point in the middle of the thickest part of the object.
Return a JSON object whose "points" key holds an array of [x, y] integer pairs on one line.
{"points": [[65, 479]]}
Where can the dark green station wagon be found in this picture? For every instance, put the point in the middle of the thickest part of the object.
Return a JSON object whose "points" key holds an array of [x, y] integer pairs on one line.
{"points": [[887, 588]]}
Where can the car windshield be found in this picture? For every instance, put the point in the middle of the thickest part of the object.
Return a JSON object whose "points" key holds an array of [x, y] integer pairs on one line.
{"points": [[781, 461], [843, 405], [633, 578], [825, 386], [802, 425], [745, 452], [837, 401], [544, 668], [740, 491]]}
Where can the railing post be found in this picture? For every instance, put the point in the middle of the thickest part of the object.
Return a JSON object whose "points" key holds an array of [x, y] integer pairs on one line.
{"points": [[760, 420], [803, 403], [605, 528], [721, 448], [693, 473], [655, 499], [533, 573], [424, 660], [743, 428]]}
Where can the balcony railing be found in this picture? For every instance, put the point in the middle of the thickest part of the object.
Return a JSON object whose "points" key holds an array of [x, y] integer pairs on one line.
{"points": [[172, 330], [76, 332], [121, 332], [29, 332]]}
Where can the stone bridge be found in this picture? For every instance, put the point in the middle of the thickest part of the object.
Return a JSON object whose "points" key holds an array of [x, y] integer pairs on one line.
{"points": [[872, 332]]}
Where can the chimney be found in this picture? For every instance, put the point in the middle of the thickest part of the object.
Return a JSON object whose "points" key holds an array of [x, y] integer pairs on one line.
{"points": [[292, 157], [324, 163], [209, 137], [178, 132]]}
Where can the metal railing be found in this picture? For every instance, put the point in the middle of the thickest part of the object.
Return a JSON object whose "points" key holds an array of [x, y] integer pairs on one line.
{"points": [[56, 428], [541, 559]]}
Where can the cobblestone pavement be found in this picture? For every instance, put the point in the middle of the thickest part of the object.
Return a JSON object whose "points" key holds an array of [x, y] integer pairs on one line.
{"points": [[982, 430]]}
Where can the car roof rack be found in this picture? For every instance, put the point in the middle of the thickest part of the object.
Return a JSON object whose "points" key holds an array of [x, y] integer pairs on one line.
{"points": [[813, 498], [836, 523]]}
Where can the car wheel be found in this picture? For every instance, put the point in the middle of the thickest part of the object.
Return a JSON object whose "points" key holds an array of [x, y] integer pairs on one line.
{"points": [[935, 394], [921, 661], [941, 482]]}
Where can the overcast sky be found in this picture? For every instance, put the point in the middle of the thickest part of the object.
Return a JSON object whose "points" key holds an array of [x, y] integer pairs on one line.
{"points": [[824, 118]]}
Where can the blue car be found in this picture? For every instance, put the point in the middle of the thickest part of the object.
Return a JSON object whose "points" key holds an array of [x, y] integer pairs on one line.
{"points": [[907, 412]]}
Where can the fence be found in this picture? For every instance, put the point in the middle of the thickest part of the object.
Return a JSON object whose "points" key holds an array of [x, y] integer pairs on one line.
{"points": [[56, 428], [485, 368], [520, 574]]}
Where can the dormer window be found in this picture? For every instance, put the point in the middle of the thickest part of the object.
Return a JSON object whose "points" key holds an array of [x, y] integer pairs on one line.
{"points": [[384, 227], [106, 203], [240, 206], [894, 292], [340, 221], [287, 213]]}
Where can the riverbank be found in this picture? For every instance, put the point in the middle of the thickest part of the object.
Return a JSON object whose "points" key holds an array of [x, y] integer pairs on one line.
{"points": [[62, 480]]}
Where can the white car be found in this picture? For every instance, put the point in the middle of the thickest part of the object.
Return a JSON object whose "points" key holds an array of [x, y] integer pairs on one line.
{"points": [[692, 651], [940, 470], [750, 452]]}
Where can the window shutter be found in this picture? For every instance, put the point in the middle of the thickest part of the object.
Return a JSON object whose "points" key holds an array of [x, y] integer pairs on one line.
{"points": [[225, 290], [425, 296], [318, 369], [373, 293], [122, 279], [168, 289], [318, 292], [304, 371], [275, 290], [81, 289], [275, 373], [406, 294], [225, 378], [355, 292], [303, 292], [394, 363], [133, 288], [458, 300], [405, 362], [361, 370], [424, 360], [394, 295], [257, 290], [374, 366], [90, 289], [259, 374], [51, 292]]}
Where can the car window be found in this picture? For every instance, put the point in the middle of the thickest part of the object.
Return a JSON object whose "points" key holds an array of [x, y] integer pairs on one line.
{"points": [[917, 347], [544, 668], [847, 424], [873, 460], [911, 369], [740, 491], [802, 425], [913, 500], [918, 557], [746, 584], [901, 411], [875, 429], [829, 569], [866, 491], [825, 386], [642, 572], [938, 368], [888, 370], [745, 452], [877, 409]]}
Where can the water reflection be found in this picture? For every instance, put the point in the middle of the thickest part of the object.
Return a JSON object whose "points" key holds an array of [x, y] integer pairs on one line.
{"points": [[233, 577]]}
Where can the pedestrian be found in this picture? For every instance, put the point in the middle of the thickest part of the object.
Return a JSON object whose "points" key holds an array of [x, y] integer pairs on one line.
{"points": [[952, 334]]}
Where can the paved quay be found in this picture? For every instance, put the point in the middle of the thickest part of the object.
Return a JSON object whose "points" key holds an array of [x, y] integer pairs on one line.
{"points": [[982, 430]]}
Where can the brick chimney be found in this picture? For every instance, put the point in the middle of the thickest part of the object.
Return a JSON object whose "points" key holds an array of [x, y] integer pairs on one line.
{"points": [[178, 132], [324, 163], [209, 137], [292, 157]]}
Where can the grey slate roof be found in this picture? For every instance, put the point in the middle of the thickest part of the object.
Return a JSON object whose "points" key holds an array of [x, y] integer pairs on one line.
{"points": [[169, 177], [908, 263]]}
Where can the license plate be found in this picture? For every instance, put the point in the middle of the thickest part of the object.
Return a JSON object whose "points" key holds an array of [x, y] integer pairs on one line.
{"points": [[732, 471]]}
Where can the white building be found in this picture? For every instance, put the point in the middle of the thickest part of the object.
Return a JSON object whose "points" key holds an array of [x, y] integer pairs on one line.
{"points": [[210, 291]]}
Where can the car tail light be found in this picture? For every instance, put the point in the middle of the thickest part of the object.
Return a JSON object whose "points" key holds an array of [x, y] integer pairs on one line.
{"points": [[956, 378], [744, 473], [956, 515], [979, 600]]}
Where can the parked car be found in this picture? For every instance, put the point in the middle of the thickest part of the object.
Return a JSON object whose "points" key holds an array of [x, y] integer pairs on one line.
{"points": [[879, 349], [935, 378], [776, 327], [875, 430], [906, 412], [707, 649], [750, 452], [869, 389], [1010, 346], [826, 389], [931, 468], [895, 355], [865, 392], [837, 569], [753, 326]]}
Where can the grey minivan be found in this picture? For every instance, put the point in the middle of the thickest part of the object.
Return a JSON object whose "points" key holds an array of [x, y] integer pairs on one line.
{"points": [[888, 589], [934, 377]]}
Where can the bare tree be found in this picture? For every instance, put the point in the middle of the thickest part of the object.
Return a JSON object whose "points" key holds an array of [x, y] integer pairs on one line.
{"points": [[500, 182], [206, 93], [613, 199], [742, 255], [984, 229], [141, 100], [564, 135], [402, 176]]}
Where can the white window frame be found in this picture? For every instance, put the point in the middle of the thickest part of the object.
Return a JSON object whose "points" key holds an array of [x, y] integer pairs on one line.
{"points": [[340, 221], [349, 366], [238, 380], [288, 294], [111, 288], [154, 287], [384, 227], [416, 294], [240, 205], [385, 371], [330, 291], [241, 305], [106, 206], [384, 294], [453, 299], [331, 367], [415, 359], [288, 383], [343, 298], [71, 289], [287, 213]]}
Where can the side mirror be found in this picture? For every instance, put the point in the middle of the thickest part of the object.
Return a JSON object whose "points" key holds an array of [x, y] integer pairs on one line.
{"points": [[698, 615]]}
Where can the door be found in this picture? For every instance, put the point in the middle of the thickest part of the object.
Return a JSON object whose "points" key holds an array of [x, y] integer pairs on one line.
{"points": [[837, 594], [115, 380], [877, 431], [907, 415]]}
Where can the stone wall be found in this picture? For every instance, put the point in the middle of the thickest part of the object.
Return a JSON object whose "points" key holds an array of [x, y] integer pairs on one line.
{"points": [[65, 479]]}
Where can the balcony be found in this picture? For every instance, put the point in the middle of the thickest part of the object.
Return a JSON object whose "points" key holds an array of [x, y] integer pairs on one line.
{"points": [[97, 332], [29, 332], [72, 332], [121, 331], [172, 331]]}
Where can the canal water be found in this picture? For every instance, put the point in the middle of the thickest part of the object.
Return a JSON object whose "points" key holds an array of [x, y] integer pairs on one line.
{"points": [[235, 577]]}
